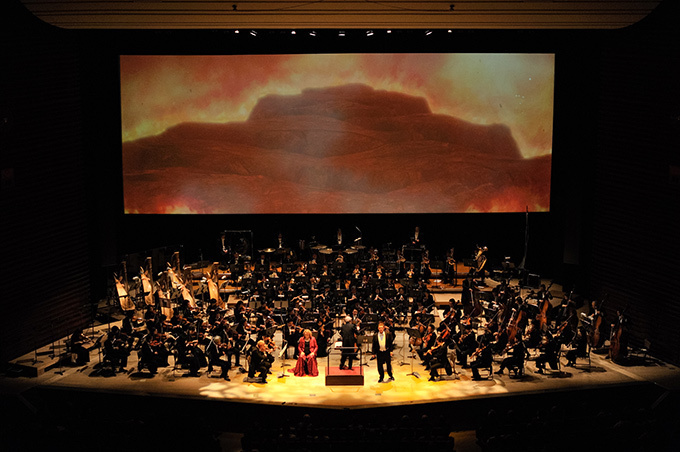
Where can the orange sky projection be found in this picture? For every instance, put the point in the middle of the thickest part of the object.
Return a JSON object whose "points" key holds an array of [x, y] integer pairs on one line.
{"points": [[158, 92]]}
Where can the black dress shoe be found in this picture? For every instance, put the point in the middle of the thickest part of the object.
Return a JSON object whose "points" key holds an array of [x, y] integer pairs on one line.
{"points": [[390, 379], [381, 381]]}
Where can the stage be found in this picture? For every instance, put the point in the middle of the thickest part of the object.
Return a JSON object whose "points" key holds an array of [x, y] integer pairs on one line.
{"points": [[411, 385], [219, 406]]}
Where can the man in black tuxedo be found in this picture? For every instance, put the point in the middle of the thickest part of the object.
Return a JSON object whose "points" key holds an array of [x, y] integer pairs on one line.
{"points": [[383, 344], [260, 361], [349, 339]]}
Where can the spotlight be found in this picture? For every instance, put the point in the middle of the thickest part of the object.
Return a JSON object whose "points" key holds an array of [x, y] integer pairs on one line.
{"points": [[253, 33], [389, 32], [292, 32], [312, 33], [236, 31], [428, 32], [449, 30], [369, 33], [341, 33]]}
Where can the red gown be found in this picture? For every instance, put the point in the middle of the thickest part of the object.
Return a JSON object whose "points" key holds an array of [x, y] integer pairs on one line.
{"points": [[306, 365]]}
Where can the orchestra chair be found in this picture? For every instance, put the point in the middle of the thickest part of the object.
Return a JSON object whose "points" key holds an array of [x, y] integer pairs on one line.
{"points": [[489, 370], [586, 356], [642, 352]]}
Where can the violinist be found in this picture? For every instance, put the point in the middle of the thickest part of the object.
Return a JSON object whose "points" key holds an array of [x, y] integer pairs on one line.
{"points": [[549, 349], [483, 358], [133, 328], [218, 356], [188, 353], [439, 359], [324, 327], [291, 336], [115, 349], [467, 344], [515, 362], [260, 362], [429, 340], [152, 353]]}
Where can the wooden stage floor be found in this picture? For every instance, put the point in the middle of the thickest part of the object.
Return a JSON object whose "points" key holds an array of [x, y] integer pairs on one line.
{"points": [[407, 389]]}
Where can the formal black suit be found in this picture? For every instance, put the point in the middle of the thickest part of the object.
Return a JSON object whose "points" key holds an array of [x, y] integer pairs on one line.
{"points": [[384, 356], [349, 339], [259, 362]]}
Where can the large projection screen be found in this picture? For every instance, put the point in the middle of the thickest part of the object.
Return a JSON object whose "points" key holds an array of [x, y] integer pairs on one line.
{"points": [[337, 133]]}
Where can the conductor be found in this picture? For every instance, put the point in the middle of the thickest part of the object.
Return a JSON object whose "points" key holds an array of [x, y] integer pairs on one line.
{"points": [[349, 339]]}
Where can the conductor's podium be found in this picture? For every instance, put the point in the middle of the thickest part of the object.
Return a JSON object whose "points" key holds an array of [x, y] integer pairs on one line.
{"points": [[344, 377]]}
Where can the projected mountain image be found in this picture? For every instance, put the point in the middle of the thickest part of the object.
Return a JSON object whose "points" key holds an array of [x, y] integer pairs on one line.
{"points": [[347, 149]]}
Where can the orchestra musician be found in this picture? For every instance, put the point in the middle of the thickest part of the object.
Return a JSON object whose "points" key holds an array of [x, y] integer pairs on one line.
{"points": [[382, 348], [579, 347], [152, 353], [549, 349], [450, 275], [467, 344], [307, 351], [439, 359], [115, 349], [218, 356], [291, 336], [78, 341], [260, 362], [515, 361], [429, 340], [483, 358]]}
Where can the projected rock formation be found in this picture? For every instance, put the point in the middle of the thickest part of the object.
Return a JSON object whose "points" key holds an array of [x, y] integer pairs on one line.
{"points": [[334, 150]]}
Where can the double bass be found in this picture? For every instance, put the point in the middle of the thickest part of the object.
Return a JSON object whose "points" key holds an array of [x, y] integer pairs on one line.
{"points": [[544, 305], [618, 343], [596, 338]]}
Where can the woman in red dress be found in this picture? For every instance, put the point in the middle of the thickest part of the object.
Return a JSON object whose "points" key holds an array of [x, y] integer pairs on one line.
{"points": [[307, 349]]}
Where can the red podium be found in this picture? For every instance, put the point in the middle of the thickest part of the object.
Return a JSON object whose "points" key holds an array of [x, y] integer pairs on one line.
{"points": [[344, 377]]}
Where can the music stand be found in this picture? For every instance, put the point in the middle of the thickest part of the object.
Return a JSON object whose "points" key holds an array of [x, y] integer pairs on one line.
{"points": [[415, 334], [282, 357], [365, 339]]}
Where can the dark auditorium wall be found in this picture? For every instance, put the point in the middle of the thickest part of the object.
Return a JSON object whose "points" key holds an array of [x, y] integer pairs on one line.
{"points": [[62, 230], [636, 194], [45, 195]]}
